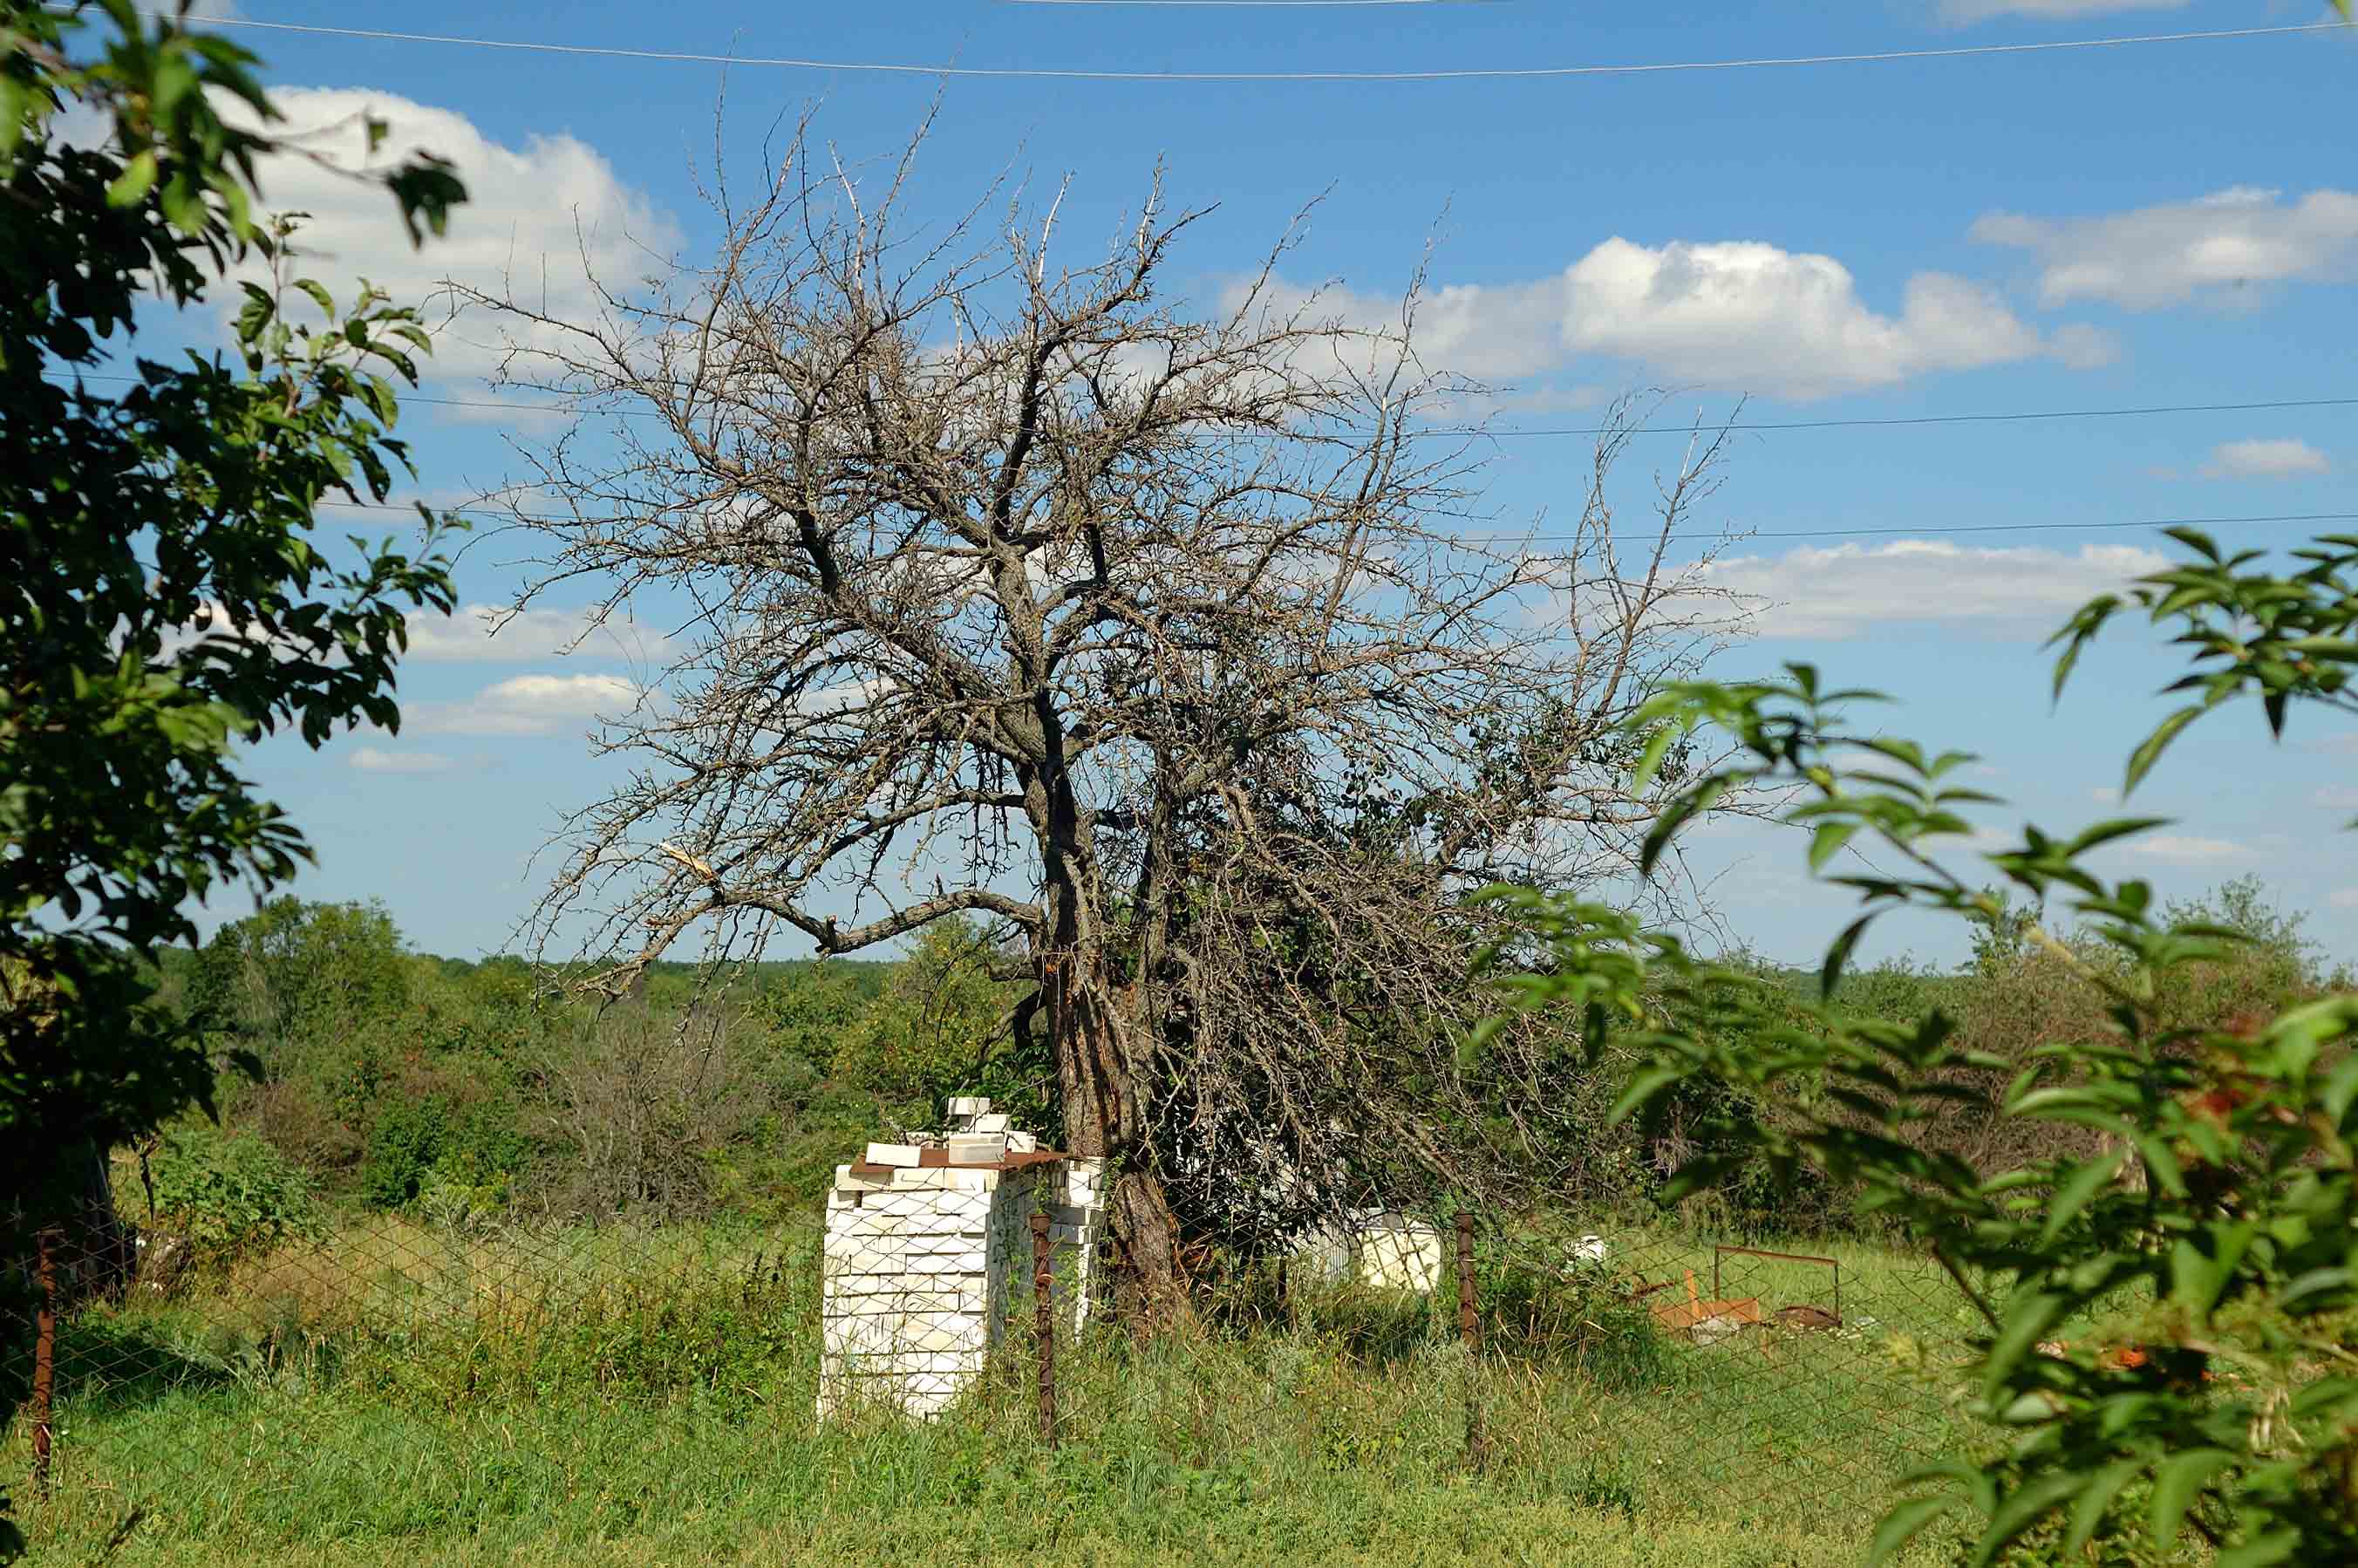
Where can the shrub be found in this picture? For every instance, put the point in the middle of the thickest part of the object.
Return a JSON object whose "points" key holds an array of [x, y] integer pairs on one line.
{"points": [[231, 1193], [2177, 1155], [402, 1146]]}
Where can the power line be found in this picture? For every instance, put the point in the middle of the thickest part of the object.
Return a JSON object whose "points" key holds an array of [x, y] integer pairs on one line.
{"points": [[1484, 73], [1995, 416], [1899, 421], [1568, 538], [1255, 4]]}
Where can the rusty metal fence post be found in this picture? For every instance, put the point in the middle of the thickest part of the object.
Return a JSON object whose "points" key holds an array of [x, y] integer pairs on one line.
{"points": [[45, 1353], [1469, 1334], [1043, 1308]]}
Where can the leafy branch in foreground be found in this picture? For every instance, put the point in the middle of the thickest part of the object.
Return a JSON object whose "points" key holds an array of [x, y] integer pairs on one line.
{"points": [[2206, 1209], [165, 598]]}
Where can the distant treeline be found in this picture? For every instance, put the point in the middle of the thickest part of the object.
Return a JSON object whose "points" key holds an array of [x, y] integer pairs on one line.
{"points": [[378, 1078]]}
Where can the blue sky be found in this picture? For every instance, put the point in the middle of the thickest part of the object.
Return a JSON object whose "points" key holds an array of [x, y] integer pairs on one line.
{"points": [[2162, 224]]}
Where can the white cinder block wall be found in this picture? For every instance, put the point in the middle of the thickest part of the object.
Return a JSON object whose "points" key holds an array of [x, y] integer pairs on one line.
{"points": [[925, 1267]]}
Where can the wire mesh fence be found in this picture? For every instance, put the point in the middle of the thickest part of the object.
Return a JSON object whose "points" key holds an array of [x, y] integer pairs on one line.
{"points": [[418, 1367]]}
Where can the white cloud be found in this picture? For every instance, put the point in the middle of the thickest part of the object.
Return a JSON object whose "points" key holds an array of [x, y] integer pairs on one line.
{"points": [[2264, 460], [370, 760], [1961, 13], [526, 705], [1851, 588], [1742, 314], [2186, 849], [2206, 248], [2079, 346], [534, 213], [486, 633], [1738, 315]]}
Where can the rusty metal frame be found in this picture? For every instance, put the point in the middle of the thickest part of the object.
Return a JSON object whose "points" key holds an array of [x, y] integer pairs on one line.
{"points": [[1718, 1251]]}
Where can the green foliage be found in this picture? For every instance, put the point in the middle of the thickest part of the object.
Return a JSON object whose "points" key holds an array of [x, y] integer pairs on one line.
{"points": [[2287, 637], [943, 1027], [402, 1148], [165, 600], [2202, 1201], [416, 1144], [295, 969], [230, 1194]]}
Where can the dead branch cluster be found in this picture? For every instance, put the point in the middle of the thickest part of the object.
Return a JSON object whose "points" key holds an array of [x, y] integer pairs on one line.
{"points": [[1168, 636]]}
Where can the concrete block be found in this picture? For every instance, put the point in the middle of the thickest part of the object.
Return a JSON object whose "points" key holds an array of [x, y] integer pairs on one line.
{"points": [[977, 1149], [969, 1105], [994, 1121], [969, 1261], [1021, 1142], [901, 1155]]}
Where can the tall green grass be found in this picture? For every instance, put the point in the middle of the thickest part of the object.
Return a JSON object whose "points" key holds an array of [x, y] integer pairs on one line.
{"points": [[601, 1396]]}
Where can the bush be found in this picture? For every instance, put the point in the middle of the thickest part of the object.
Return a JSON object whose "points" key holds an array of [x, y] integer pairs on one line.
{"points": [[402, 1148], [2162, 1143], [232, 1194]]}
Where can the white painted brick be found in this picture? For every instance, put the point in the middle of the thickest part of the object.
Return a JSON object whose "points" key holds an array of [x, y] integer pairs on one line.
{"points": [[903, 1155]]}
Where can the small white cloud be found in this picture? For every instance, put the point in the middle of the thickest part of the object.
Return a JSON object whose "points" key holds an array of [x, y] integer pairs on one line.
{"points": [[1747, 315], [526, 705], [2264, 460], [370, 760], [1963, 13], [485, 634], [2186, 849], [2208, 248], [1851, 588], [2081, 347]]}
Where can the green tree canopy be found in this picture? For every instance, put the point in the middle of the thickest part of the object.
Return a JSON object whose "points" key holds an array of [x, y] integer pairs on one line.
{"points": [[164, 597]]}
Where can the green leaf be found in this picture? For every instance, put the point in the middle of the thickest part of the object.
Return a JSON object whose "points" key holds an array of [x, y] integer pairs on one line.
{"points": [[1658, 746], [2029, 1313], [1838, 954], [2263, 1551], [138, 177], [1904, 1523], [2084, 1183], [1677, 815], [2088, 1514], [1827, 842], [2107, 831], [2149, 750], [2176, 1482]]}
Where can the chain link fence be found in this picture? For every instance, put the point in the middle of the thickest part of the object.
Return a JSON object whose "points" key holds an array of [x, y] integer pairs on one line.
{"points": [[417, 1367]]}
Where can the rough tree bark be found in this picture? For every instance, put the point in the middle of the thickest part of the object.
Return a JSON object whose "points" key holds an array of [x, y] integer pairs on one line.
{"points": [[1155, 634]]}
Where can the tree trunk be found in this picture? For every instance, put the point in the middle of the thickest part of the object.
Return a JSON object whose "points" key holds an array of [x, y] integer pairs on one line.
{"points": [[95, 1252], [1103, 1119]]}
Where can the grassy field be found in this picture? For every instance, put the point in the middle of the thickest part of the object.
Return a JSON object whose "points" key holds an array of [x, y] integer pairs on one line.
{"points": [[405, 1395]]}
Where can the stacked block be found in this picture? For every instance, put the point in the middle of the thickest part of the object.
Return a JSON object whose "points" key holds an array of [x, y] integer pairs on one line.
{"points": [[925, 1265]]}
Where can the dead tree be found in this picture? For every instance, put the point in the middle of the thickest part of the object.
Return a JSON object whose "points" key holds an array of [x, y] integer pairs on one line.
{"points": [[1160, 635]]}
